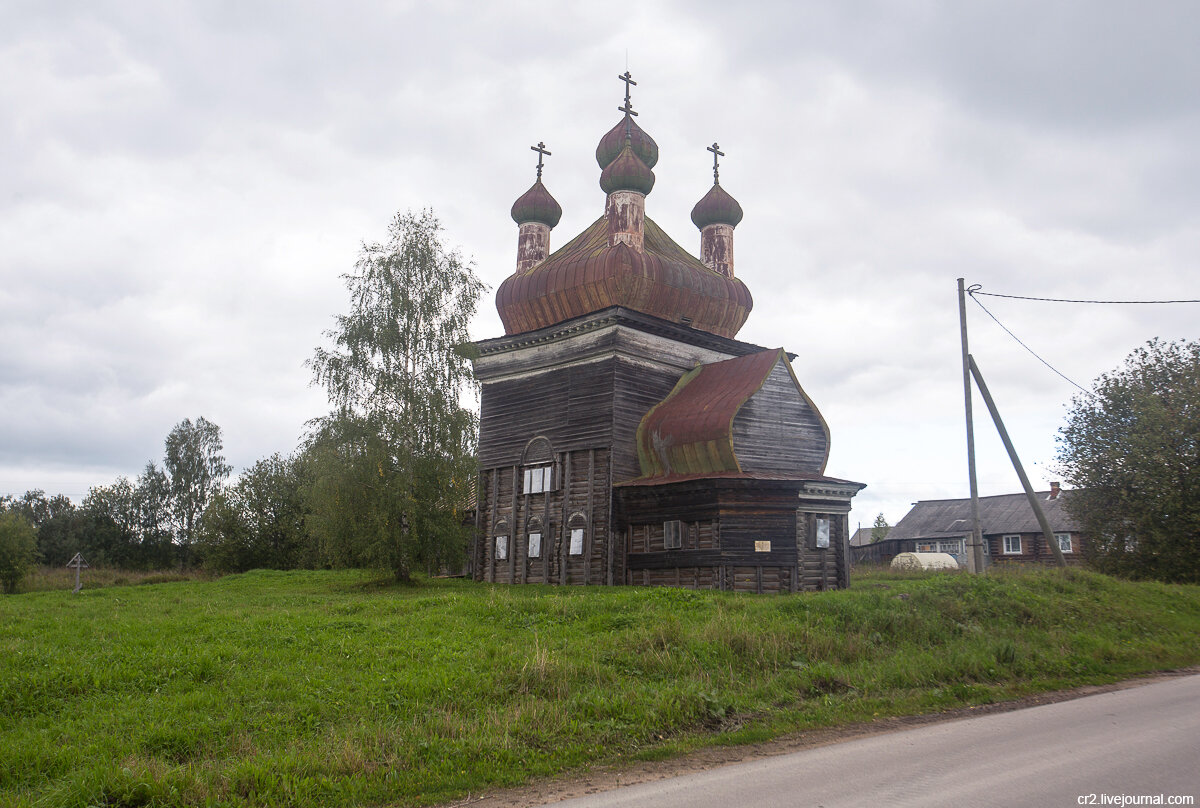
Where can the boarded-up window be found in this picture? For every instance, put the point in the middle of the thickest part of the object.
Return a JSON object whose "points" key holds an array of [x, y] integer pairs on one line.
{"points": [[672, 534], [822, 535], [535, 545], [501, 548], [576, 541], [762, 546], [538, 479]]}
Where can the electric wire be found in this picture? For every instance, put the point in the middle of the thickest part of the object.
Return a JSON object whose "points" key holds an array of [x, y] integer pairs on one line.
{"points": [[1032, 352], [976, 290]]}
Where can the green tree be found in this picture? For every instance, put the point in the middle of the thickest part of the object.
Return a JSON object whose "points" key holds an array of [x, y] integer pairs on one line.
{"points": [[1131, 450], [398, 450], [880, 530], [196, 468], [259, 522], [18, 549]]}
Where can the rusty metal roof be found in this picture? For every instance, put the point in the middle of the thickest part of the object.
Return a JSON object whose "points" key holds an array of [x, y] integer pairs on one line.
{"points": [[691, 430], [587, 275], [1006, 513]]}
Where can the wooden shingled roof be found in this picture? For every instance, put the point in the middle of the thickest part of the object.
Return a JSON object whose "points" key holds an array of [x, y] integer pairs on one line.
{"points": [[587, 275], [691, 432], [1006, 513]]}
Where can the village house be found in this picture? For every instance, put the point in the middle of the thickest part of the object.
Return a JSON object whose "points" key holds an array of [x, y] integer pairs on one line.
{"points": [[1011, 532], [626, 435]]}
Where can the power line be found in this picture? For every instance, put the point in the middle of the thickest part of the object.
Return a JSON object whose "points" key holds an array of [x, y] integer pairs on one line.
{"points": [[1034, 353], [976, 290]]}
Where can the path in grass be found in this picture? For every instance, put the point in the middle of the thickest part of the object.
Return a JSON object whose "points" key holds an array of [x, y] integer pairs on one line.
{"points": [[323, 688]]}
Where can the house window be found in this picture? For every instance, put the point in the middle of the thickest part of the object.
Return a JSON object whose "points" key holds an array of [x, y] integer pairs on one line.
{"points": [[538, 478], [926, 547], [822, 531], [672, 534], [952, 547], [1012, 545], [987, 546], [501, 548], [1064, 542], [535, 545], [576, 541]]}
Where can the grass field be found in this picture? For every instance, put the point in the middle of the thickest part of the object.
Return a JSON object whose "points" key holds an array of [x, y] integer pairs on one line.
{"points": [[330, 689]]}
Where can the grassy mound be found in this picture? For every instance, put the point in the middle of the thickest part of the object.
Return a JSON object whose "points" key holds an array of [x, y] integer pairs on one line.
{"points": [[330, 689]]}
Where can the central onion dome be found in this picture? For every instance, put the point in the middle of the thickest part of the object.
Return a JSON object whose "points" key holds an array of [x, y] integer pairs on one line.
{"points": [[623, 258]]}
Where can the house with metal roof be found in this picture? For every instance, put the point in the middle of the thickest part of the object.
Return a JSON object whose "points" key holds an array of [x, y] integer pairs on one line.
{"points": [[626, 435], [1010, 530]]}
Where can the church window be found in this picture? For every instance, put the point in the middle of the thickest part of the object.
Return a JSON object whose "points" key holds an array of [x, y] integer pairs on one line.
{"points": [[576, 541], [501, 548], [822, 531], [535, 545], [672, 534], [538, 479]]}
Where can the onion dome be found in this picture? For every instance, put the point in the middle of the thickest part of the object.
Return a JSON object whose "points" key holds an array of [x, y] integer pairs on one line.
{"points": [[717, 207], [627, 173], [536, 205], [588, 274], [613, 142]]}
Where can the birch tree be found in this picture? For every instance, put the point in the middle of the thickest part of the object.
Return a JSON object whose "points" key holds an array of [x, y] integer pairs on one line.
{"points": [[393, 463]]}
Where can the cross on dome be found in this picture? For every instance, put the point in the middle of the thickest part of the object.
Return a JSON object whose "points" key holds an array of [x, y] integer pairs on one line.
{"points": [[717, 153], [628, 107], [540, 148]]}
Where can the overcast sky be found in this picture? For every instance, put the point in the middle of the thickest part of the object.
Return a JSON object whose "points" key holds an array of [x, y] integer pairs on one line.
{"points": [[183, 183]]}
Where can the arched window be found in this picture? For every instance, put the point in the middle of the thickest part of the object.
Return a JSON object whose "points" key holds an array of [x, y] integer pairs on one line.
{"points": [[535, 538], [500, 541], [577, 525], [538, 460]]}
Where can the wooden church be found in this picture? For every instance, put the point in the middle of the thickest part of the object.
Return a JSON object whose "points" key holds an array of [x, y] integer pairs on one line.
{"points": [[626, 435]]}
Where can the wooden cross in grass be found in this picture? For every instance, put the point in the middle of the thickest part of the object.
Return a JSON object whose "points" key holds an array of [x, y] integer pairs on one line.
{"points": [[78, 563]]}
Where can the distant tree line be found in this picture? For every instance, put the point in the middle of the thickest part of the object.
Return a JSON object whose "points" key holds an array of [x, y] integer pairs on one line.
{"points": [[382, 481]]}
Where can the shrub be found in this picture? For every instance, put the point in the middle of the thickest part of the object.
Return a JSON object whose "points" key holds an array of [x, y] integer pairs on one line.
{"points": [[18, 550]]}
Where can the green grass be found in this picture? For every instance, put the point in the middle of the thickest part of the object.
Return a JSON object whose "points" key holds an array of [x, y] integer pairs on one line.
{"points": [[330, 689]]}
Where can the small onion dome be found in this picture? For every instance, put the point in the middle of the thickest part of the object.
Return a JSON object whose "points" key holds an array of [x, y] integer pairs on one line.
{"points": [[627, 173], [717, 207], [536, 205], [612, 143]]}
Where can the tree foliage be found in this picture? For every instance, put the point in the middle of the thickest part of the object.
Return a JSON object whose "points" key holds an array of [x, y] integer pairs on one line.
{"points": [[195, 468], [1132, 451], [18, 549], [259, 522], [394, 461], [880, 530]]}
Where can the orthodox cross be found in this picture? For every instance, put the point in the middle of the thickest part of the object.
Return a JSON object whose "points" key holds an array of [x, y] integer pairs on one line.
{"points": [[540, 148], [78, 563], [717, 153], [628, 79]]}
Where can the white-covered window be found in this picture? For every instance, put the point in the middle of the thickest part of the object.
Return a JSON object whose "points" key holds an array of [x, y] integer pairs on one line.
{"points": [[1012, 545], [1064, 542], [576, 541], [673, 534], [501, 548], [822, 531], [538, 479], [535, 545]]}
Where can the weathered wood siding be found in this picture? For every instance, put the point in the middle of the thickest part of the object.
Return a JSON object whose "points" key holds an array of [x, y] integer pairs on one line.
{"points": [[778, 431], [638, 387], [571, 406], [580, 497]]}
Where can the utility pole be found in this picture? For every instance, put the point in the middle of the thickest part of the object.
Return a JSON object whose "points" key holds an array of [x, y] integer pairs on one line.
{"points": [[975, 545], [1044, 523]]}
